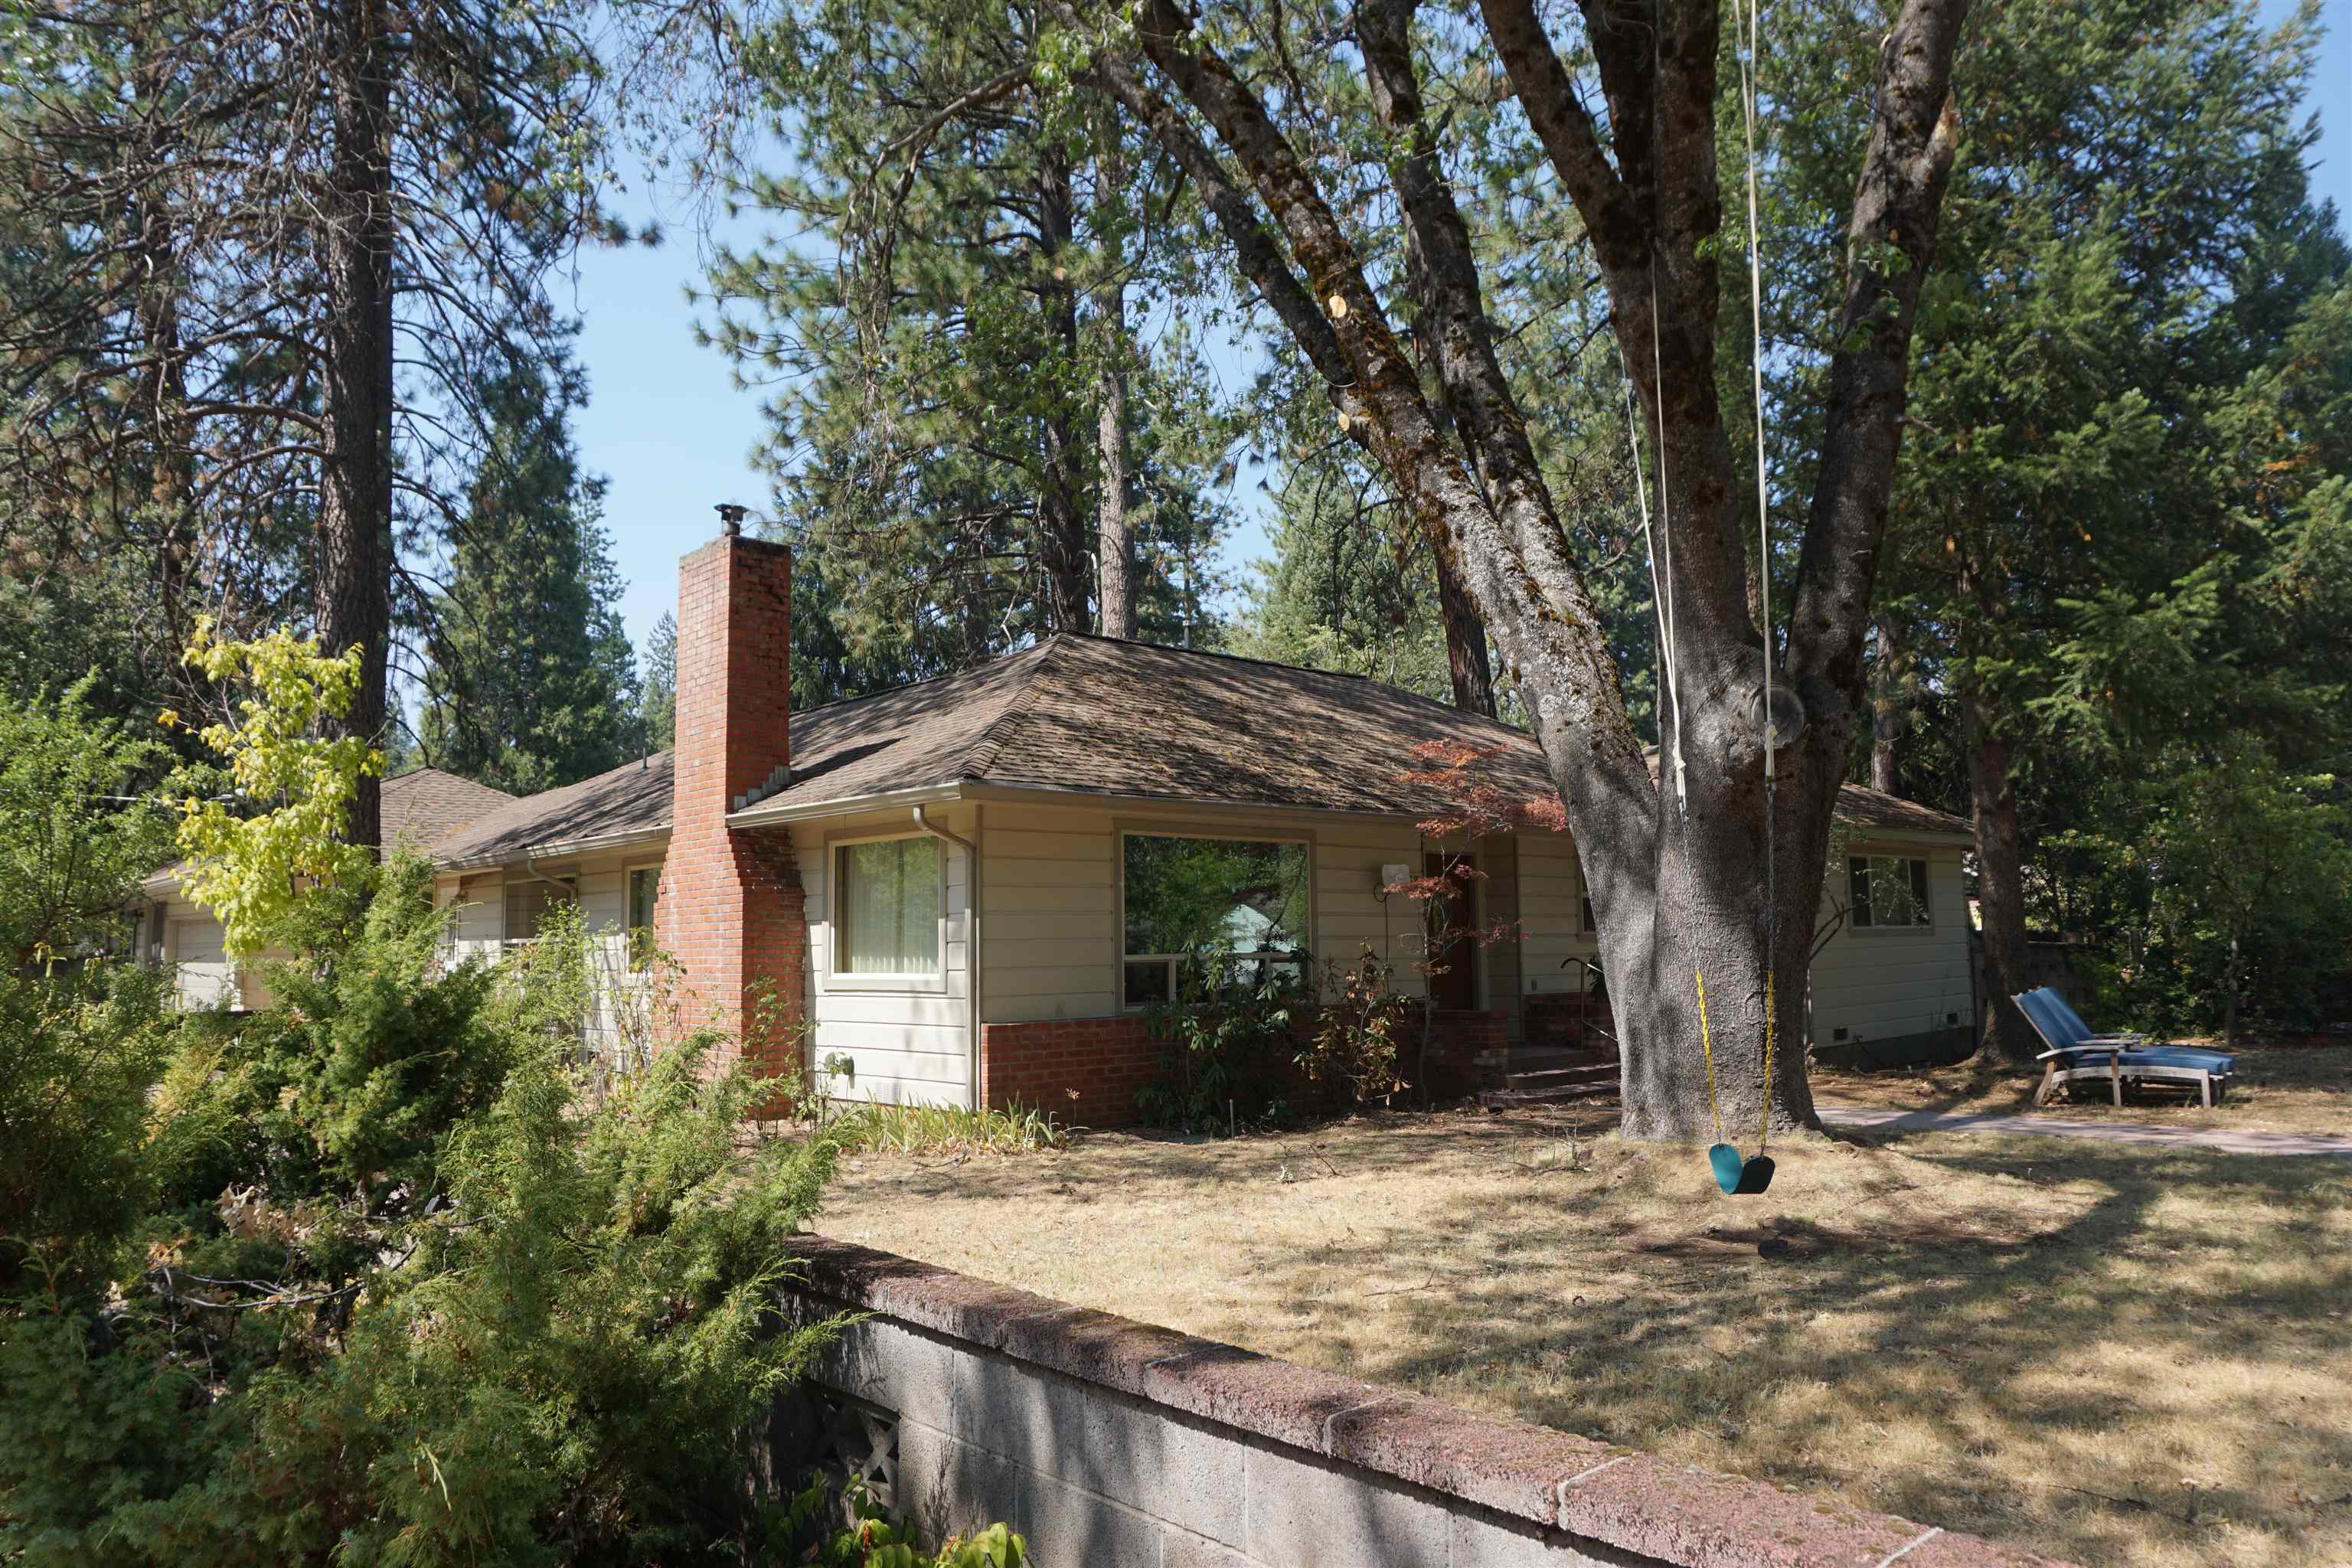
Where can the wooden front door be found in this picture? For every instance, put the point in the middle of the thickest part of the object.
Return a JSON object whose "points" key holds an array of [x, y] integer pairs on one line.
{"points": [[1455, 919]]}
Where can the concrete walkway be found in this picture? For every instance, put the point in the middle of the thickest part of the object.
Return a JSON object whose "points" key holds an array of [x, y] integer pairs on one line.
{"points": [[2228, 1142]]}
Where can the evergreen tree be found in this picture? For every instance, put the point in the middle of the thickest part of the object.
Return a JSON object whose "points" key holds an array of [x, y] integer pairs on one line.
{"points": [[2084, 497], [969, 419], [532, 683], [657, 693]]}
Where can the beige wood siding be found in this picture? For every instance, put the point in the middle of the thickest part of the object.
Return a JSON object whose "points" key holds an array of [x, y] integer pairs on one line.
{"points": [[908, 1044], [1551, 902], [1882, 984], [202, 975]]}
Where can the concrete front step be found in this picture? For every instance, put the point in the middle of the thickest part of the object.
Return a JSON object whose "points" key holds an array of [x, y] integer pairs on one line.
{"points": [[1507, 1099], [1542, 1058], [1560, 1078]]}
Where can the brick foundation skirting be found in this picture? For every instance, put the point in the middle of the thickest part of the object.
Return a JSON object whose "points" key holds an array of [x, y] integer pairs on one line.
{"points": [[1088, 1071], [1574, 1019]]}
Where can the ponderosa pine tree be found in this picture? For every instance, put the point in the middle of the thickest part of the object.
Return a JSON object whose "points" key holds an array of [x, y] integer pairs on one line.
{"points": [[274, 253], [530, 681], [969, 419], [657, 686]]}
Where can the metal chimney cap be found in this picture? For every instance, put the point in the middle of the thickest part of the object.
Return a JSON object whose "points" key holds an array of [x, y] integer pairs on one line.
{"points": [[731, 515]]}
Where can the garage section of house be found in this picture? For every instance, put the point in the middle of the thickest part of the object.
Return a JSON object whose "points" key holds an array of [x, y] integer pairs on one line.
{"points": [[972, 888]]}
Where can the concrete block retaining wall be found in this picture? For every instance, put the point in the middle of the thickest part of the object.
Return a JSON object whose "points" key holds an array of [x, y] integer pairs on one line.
{"points": [[1107, 1442]]}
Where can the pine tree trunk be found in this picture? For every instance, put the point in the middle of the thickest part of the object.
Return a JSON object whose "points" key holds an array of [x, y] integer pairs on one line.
{"points": [[2000, 884], [2230, 1007], [353, 595], [1114, 542], [1465, 645], [1887, 672], [170, 475], [1062, 528]]}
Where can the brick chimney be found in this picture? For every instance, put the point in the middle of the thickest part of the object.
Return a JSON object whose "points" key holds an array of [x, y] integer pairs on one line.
{"points": [[731, 905]]}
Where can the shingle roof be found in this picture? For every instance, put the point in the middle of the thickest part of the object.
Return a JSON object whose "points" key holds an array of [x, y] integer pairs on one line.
{"points": [[1871, 808], [426, 803], [631, 798], [1089, 715]]}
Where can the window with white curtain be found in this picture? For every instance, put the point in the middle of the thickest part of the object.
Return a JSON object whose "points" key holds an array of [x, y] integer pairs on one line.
{"points": [[888, 923]]}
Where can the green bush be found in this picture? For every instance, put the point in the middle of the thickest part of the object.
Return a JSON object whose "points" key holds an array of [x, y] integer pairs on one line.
{"points": [[1227, 1051], [369, 1279]]}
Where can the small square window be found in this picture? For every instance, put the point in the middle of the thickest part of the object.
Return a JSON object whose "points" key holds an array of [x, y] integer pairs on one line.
{"points": [[1886, 891]]}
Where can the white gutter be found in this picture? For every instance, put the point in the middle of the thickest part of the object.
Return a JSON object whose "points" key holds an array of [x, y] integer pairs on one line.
{"points": [[971, 943], [557, 850], [842, 805]]}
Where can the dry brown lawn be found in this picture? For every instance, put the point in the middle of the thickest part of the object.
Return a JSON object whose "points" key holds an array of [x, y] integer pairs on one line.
{"points": [[2113, 1354], [2291, 1085]]}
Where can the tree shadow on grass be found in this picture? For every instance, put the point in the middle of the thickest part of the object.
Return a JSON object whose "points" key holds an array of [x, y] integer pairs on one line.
{"points": [[2007, 1378]]}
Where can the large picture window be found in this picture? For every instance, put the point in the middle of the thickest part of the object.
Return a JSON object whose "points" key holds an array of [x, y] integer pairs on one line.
{"points": [[1227, 912], [888, 918], [1888, 891]]}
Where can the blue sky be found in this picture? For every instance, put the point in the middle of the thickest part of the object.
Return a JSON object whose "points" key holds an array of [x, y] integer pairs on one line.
{"points": [[668, 426]]}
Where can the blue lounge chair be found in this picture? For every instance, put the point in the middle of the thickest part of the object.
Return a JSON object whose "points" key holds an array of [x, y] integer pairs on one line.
{"points": [[2076, 1052]]}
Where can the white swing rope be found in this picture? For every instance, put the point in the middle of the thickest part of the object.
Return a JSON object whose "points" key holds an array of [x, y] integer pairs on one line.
{"points": [[1749, 14], [1666, 534]]}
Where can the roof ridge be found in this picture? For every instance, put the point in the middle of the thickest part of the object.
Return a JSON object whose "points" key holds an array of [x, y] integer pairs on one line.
{"points": [[1224, 654], [993, 734], [943, 676]]}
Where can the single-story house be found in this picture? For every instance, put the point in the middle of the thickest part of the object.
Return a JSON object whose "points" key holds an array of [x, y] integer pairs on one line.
{"points": [[970, 889], [420, 807]]}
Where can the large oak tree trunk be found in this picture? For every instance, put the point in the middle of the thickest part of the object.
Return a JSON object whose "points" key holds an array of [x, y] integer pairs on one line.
{"points": [[352, 596], [2000, 884], [1680, 893]]}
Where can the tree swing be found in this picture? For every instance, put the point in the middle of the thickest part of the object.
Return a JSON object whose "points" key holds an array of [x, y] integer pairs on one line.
{"points": [[1780, 715]]}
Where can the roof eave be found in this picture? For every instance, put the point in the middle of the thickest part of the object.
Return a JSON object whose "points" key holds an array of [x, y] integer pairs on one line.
{"points": [[779, 814], [555, 849], [1911, 835]]}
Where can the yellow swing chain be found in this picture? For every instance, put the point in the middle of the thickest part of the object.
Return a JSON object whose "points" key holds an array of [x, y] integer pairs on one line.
{"points": [[1706, 1043]]}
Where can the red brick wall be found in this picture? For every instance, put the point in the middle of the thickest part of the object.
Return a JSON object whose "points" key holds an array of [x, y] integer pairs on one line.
{"points": [[1109, 1061], [1562, 1018], [731, 909], [1456, 1038]]}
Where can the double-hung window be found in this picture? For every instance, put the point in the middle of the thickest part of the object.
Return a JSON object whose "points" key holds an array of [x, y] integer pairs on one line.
{"points": [[888, 902], [644, 894], [1887, 891], [1219, 914], [528, 903]]}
